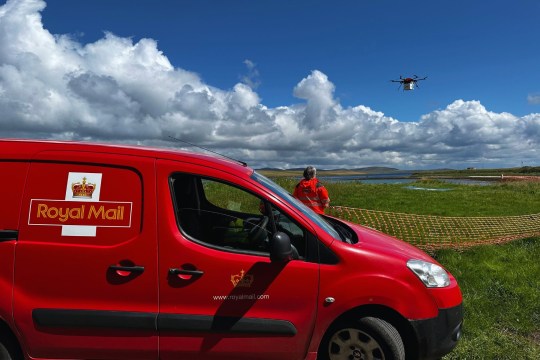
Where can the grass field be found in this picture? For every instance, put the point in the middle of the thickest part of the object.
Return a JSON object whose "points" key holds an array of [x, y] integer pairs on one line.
{"points": [[501, 292], [499, 199], [500, 283]]}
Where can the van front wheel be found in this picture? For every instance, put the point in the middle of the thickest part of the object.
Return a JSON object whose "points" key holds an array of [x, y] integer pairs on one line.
{"points": [[4, 353], [366, 339], [8, 349]]}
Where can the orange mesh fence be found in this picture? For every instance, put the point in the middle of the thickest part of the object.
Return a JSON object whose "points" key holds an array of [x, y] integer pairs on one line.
{"points": [[435, 232]]}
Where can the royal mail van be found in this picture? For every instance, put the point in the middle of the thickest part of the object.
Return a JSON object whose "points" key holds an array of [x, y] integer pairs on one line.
{"points": [[116, 252]]}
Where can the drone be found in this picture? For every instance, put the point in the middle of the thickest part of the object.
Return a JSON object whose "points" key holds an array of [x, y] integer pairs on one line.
{"points": [[408, 83]]}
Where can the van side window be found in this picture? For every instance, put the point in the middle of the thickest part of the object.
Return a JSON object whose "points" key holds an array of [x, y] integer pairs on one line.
{"points": [[222, 215]]}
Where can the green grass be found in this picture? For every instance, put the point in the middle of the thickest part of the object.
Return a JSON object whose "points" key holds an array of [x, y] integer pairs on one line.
{"points": [[459, 200], [501, 292], [500, 199]]}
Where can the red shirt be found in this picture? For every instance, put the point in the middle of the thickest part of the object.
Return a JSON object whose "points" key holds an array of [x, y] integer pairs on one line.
{"points": [[313, 194]]}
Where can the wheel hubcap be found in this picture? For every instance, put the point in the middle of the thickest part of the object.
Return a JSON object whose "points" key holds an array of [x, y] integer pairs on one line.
{"points": [[354, 344]]}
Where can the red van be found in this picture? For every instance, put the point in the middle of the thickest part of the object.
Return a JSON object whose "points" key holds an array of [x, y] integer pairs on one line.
{"points": [[116, 252]]}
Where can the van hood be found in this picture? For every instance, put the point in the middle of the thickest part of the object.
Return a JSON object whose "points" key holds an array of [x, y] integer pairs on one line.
{"points": [[372, 239]]}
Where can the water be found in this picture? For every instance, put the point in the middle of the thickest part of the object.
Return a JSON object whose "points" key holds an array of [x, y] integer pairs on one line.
{"points": [[425, 189], [395, 178], [391, 178], [387, 181]]}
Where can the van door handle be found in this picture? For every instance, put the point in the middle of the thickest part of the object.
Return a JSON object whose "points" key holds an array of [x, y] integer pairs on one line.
{"points": [[8, 235], [135, 268], [185, 272]]}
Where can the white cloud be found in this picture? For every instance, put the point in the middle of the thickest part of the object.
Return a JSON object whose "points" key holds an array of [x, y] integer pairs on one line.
{"points": [[117, 90], [533, 99], [319, 94]]}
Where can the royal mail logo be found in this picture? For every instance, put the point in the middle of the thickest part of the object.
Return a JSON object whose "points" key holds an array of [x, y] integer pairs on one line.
{"points": [[62, 213], [81, 211], [242, 279], [83, 189]]}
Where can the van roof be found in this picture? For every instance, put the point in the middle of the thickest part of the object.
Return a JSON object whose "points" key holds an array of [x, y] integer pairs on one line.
{"points": [[27, 149]]}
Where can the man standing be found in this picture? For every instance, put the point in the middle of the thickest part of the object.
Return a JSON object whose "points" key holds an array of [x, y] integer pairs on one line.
{"points": [[311, 192]]}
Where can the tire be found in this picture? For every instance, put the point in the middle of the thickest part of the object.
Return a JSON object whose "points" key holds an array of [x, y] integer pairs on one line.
{"points": [[8, 349], [366, 339], [4, 353]]}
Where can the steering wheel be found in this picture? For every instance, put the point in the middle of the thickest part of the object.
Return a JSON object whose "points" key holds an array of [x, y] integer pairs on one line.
{"points": [[258, 234]]}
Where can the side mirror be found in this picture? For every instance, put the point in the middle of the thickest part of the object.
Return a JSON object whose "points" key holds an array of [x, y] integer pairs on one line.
{"points": [[280, 248]]}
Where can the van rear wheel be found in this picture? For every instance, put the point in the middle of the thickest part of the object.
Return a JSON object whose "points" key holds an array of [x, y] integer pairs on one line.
{"points": [[366, 339]]}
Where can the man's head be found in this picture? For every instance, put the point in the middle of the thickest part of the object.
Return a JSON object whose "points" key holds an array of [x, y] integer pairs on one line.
{"points": [[310, 172]]}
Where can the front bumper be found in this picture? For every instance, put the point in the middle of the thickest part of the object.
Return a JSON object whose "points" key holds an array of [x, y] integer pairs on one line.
{"points": [[438, 336]]}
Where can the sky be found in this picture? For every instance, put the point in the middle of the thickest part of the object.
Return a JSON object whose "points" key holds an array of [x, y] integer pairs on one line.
{"points": [[280, 83]]}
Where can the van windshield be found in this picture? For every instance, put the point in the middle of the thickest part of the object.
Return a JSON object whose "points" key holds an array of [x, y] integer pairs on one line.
{"points": [[275, 188]]}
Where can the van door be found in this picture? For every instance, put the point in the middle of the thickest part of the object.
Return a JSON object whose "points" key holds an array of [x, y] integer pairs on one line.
{"points": [[86, 260], [220, 295], [12, 179]]}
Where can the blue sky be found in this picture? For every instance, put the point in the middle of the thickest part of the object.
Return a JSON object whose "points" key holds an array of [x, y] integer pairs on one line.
{"points": [[467, 50], [315, 73]]}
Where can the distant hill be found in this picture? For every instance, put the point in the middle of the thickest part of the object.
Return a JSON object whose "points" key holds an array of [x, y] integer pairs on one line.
{"points": [[376, 170], [440, 172], [328, 172], [370, 169]]}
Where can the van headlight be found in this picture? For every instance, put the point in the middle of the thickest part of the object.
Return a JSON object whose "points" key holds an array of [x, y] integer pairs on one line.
{"points": [[432, 275]]}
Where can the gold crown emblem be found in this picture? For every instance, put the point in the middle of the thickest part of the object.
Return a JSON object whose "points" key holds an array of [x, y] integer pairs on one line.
{"points": [[83, 189], [242, 280]]}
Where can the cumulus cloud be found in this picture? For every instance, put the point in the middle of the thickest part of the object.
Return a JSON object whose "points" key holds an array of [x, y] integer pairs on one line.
{"points": [[118, 90]]}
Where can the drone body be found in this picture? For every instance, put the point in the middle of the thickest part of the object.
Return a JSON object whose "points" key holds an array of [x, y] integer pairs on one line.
{"points": [[408, 83]]}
